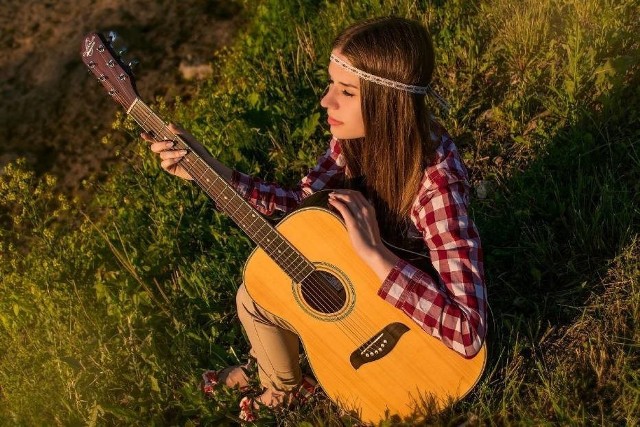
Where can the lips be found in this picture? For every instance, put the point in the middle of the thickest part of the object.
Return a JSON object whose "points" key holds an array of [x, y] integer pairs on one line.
{"points": [[333, 122]]}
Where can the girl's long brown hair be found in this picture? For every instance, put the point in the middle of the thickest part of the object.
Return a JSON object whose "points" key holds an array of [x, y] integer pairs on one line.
{"points": [[397, 146]]}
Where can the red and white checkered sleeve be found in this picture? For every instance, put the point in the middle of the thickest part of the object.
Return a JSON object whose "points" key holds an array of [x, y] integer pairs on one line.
{"points": [[452, 308], [268, 197]]}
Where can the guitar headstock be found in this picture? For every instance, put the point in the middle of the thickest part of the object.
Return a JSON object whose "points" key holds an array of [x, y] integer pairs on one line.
{"points": [[99, 55]]}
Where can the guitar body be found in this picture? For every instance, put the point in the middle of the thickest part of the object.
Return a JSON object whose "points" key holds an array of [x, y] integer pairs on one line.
{"points": [[418, 369]]}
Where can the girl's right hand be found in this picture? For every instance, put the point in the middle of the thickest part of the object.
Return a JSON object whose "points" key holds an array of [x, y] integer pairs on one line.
{"points": [[168, 154]]}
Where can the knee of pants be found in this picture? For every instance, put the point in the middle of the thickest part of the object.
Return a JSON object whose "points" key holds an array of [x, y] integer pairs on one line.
{"points": [[243, 303]]}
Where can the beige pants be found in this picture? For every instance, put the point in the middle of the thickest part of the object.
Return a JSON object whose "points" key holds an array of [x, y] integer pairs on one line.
{"points": [[273, 344]]}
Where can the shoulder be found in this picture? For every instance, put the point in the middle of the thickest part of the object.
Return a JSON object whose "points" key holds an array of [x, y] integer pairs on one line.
{"points": [[446, 166], [445, 173]]}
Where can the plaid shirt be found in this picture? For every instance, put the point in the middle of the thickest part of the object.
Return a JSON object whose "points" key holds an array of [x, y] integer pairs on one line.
{"points": [[451, 308]]}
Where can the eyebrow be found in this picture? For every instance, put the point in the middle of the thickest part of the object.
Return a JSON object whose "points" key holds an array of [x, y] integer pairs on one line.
{"points": [[348, 85], [343, 83]]}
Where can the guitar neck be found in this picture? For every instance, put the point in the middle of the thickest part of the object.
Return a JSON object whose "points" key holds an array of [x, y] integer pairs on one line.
{"points": [[225, 196]]}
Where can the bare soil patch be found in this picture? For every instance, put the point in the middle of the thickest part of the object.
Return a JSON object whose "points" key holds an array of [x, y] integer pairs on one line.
{"points": [[53, 113]]}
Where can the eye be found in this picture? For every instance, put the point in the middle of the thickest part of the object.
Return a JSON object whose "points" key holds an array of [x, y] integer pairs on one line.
{"points": [[343, 92]]}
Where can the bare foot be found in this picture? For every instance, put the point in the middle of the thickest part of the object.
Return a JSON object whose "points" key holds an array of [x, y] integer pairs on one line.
{"points": [[232, 376], [273, 399]]}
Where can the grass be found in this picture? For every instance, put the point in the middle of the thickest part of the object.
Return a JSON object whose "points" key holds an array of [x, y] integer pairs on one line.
{"points": [[109, 314]]}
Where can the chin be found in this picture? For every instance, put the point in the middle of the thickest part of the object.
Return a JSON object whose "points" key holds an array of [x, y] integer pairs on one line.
{"points": [[346, 135]]}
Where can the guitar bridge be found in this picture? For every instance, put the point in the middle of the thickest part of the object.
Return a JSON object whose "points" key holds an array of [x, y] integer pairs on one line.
{"points": [[379, 345]]}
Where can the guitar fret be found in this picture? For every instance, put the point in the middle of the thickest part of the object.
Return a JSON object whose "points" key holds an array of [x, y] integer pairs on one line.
{"points": [[299, 266], [259, 231], [241, 220], [228, 200], [238, 207], [290, 255], [271, 236], [211, 184], [156, 124], [143, 114], [145, 120], [133, 104], [201, 176], [256, 218]]}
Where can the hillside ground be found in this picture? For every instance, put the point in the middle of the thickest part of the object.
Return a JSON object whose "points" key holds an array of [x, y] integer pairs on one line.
{"points": [[53, 113]]}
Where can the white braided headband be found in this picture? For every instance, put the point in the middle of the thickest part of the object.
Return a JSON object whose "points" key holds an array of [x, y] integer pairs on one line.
{"points": [[421, 90]]}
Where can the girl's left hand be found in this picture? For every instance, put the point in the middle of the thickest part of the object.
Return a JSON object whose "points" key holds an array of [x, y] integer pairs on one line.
{"points": [[360, 219]]}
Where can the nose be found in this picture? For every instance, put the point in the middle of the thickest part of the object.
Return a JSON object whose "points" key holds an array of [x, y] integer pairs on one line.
{"points": [[328, 99]]}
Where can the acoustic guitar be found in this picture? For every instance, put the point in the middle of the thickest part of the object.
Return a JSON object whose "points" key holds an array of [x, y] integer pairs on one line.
{"points": [[368, 356]]}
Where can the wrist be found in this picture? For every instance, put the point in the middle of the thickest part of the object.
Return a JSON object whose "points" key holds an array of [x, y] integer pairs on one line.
{"points": [[381, 260]]}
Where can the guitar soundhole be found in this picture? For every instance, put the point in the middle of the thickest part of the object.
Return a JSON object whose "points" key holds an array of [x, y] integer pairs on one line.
{"points": [[323, 292]]}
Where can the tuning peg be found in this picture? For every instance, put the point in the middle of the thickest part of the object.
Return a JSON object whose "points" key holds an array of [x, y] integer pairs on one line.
{"points": [[112, 36], [122, 51], [133, 63]]}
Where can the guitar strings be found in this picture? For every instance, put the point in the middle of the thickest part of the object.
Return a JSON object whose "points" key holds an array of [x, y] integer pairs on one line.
{"points": [[351, 327], [289, 259]]}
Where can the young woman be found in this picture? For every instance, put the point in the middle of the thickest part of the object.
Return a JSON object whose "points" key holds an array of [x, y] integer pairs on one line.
{"points": [[397, 181]]}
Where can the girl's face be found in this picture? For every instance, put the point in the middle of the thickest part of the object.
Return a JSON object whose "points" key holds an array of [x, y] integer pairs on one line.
{"points": [[342, 101]]}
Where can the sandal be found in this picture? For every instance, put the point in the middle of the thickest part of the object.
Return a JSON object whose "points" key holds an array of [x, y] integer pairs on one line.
{"points": [[307, 388], [210, 379], [249, 406]]}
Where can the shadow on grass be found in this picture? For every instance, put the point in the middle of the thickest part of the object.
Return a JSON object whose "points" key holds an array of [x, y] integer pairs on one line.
{"points": [[551, 232]]}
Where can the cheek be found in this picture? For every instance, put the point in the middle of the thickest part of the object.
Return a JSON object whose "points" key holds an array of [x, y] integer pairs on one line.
{"points": [[357, 120]]}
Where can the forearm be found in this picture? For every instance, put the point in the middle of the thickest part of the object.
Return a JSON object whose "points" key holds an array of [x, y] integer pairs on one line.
{"points": [[458, 321], [451, 305], [381, 261], [268, 197]]}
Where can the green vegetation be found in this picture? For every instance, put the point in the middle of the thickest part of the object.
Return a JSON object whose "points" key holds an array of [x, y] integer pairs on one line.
{"points": [[110, 312]]}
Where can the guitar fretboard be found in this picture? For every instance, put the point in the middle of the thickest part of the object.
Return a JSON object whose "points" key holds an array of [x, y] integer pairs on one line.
{"points": [[226, 198]]}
